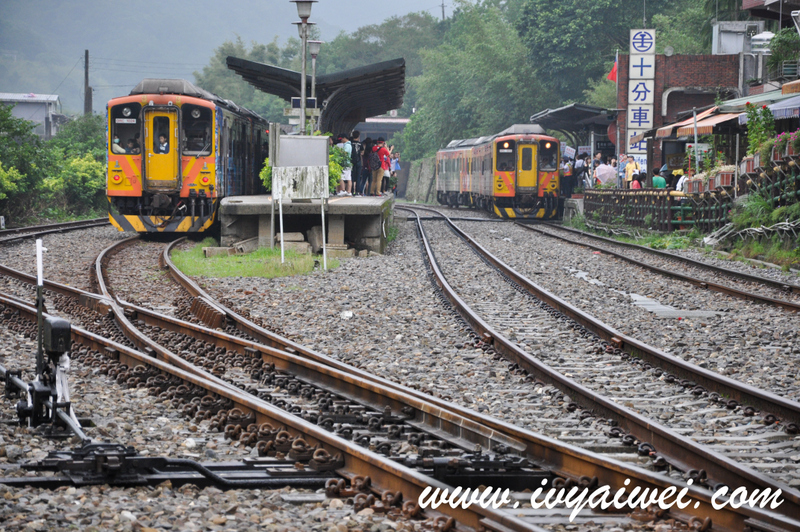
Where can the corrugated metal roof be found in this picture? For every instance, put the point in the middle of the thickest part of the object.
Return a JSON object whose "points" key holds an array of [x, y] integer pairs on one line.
{"points": [[29, 97], [352, 95]]}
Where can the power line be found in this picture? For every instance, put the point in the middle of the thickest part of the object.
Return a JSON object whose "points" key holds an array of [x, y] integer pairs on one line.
{"points": [[65, 77]]}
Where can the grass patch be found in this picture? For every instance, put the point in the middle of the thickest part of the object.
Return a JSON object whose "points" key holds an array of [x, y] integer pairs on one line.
{"points": [[391, 233], [769, 250], [263, 262], [653, 240]]}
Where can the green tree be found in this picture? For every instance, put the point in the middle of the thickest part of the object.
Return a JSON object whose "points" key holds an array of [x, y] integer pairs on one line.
{"points": [[79, 184], [601, 93], [23, 151], [81, 136], [785, 46], [9, 177], [477, 83], [216, 77]]}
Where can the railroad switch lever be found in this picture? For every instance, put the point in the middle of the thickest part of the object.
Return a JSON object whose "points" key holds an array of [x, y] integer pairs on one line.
{"points": [[47, 399], [119, 465], [473, 470]]}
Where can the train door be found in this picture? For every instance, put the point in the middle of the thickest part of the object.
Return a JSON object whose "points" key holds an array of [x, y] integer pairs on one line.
{"points": [[160, 149], [526, 166]]}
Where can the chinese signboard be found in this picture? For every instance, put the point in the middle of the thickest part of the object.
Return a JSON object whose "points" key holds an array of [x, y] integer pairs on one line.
{"points": [[641, 86]]}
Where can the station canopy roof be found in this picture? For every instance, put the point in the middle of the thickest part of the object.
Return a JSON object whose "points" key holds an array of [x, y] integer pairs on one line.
{"points": [[575, 117], [349, 97]]}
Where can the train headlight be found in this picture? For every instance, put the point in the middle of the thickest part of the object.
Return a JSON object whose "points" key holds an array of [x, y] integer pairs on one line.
{"points": [[196, 113], [505, 144], [126, 111], [547, 145]]}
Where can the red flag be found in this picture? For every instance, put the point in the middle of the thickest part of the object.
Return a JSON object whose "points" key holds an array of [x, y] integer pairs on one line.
{"points": [[613, 74]]}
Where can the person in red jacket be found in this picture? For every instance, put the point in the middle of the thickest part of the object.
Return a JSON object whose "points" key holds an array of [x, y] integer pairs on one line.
{"points": [[377, 175]]}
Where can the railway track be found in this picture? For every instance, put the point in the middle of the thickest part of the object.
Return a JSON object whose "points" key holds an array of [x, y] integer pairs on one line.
{"points": [[665, 440], [573, 463], [706, 276], [21, 233]]}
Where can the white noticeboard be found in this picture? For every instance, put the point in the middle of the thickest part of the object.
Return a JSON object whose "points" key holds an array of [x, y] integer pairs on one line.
{"points": [[300, 182], [2, 222]]}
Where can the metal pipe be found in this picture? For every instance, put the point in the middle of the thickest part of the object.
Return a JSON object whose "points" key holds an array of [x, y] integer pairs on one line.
{"points": [[696, 161]]}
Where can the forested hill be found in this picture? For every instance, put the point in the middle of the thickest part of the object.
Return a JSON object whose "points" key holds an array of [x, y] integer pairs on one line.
{"points": [[42, 42]]}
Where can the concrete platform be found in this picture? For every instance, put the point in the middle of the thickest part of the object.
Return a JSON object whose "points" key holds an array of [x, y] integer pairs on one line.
{"points": [[360, 222]]}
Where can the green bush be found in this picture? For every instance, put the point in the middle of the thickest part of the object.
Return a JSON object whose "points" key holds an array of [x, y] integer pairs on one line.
{"points": [[266, 175], [80, 183], [9, 179]]}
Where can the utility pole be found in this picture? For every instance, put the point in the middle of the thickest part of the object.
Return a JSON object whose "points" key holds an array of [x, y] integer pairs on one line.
{"points": [[87, 90], [442, 10]]}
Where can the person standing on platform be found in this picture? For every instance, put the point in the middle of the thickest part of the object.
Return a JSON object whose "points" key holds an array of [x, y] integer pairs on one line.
{"points": [[366, 173], [347, 175], [378, 163], [623, 162], [631, 169], [356, 157]]}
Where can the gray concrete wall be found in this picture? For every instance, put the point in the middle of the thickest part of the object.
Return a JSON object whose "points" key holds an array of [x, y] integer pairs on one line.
{"points": [[422, 181]]}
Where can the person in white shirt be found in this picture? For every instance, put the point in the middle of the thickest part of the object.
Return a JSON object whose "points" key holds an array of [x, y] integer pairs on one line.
{"points": [[347, 179]]}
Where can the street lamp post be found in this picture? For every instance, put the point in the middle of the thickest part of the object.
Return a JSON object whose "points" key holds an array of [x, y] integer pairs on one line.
{"points": [[303, 11], [313, 49]]}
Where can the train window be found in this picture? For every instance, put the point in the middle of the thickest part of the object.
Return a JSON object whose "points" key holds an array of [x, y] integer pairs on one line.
{"points": [[548, 155], [161, 129], [125, 125], [506, 155], [197, 128], [527, 158]]}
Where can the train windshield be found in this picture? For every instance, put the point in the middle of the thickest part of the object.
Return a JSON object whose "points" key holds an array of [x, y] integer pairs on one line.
{"points": [[125, 128], [506, 155], [548, 155], [197, 137]]}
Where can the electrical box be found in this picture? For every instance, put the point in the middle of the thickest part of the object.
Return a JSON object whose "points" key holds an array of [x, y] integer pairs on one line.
{"points": [[57, 336]]}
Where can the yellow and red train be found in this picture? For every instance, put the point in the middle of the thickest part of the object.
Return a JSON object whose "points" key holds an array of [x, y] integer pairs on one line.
{"points": [[514, 174], [174, 152]]}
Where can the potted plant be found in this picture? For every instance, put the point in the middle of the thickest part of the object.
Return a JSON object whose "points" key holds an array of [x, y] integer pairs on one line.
{"points": [[725, 175], [793, 146], [577, 193]]}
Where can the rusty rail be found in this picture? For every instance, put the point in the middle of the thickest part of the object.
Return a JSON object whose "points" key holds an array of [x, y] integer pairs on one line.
{"points": [[21, 233], [709, 285], [565, 460], [679, 449]]}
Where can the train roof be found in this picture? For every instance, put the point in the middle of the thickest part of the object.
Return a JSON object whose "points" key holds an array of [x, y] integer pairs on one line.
{"points": [[186, 88], [523, 129], [516, 129]]}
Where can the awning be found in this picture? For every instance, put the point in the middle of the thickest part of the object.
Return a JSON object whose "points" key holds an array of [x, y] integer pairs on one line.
{"points": [[706, 126], [787, 108], [575, 117], [737, 105], [666, 131]]}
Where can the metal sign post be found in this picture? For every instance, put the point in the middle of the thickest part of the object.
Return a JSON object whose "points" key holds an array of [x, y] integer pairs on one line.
{"points": [[696, 160], [280, 215], [324, 250], [39, 307]]}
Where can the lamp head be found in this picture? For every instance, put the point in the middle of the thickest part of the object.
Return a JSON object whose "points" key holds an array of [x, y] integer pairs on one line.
{"points": [[304, 8], [313, 47]]}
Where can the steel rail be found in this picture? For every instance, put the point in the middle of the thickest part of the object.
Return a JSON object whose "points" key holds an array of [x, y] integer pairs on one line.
{"points": [[387, 474], [678, 449], [785, 286], [551, 451], [562, 459], [39, 230], [716, 287]]}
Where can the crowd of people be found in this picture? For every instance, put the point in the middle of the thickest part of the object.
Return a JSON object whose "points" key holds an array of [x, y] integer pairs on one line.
{"points": [[372, 167], [623, 173]]}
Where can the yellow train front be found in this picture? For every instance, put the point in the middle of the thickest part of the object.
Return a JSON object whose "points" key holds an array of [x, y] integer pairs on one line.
{"points": [[174, 152], [514, 174]]}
